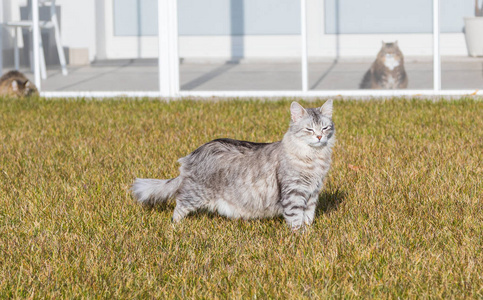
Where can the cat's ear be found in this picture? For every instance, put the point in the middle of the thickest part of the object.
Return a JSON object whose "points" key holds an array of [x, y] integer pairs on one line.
{"points": [[14, 85], [327, 108], [297, 111], [395, 43], [27, 83]]}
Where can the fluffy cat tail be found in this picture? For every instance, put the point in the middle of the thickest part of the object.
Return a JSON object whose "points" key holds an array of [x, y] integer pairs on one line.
{"points": [[152, 191]]}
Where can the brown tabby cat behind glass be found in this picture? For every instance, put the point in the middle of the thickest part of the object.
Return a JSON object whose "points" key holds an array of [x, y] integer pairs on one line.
{"points": [[15, 84], [387, 71]]}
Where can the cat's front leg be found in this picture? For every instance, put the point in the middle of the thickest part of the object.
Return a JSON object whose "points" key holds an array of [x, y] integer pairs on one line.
{"points": [[294, 205], [309, 213]]}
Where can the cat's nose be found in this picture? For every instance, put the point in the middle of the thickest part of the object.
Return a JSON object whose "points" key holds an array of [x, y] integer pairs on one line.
{"points": [[319, 137]]}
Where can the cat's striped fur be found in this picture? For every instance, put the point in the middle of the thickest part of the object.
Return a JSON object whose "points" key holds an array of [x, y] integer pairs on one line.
{"points": [[15, 84], [240, 179], [387, 71]]}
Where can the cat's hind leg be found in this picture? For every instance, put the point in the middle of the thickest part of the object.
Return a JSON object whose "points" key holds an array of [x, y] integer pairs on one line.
{"points": [[185, 203], [180, 211]]}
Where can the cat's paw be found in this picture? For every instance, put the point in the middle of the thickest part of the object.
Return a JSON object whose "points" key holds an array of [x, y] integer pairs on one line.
{"points": [[308, 220], [301, 229], [297, 227]]}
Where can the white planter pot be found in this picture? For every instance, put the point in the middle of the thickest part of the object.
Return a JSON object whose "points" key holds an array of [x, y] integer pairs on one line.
{"points": [[474, 35]]}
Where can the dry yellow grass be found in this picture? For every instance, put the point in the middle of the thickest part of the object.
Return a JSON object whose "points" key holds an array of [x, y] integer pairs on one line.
{"points": [[401, 214]]}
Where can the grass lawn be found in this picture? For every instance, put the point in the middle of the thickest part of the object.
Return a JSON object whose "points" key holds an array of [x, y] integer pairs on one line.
{"points": [[401, 214]]}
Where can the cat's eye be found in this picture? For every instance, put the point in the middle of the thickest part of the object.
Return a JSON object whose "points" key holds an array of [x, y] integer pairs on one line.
{"points": [[309, 129], [326, 128]]}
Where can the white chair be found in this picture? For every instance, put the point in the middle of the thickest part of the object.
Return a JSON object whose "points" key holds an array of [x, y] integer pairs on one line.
{"points": [[52, 23]]}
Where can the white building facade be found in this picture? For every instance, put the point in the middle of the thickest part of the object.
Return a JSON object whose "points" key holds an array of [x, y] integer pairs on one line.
{"points": [[246, 29]]}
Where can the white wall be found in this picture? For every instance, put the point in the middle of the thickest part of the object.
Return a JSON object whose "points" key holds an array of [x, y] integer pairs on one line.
{"points": [[119, 47], [100, 15], [1, 39], [89, 24], [78, 24], [10, 12], [320, 44]]}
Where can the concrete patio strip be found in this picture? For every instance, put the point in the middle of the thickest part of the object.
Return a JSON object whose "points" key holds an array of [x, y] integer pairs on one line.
{"points": [[342, 74]]}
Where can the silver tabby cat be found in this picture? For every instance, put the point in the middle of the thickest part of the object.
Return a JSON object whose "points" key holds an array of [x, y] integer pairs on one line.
{"points": [[240, 179]]}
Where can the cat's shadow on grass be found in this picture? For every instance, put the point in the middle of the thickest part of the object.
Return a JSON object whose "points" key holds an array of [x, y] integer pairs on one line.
{"points": [[329, 201]]}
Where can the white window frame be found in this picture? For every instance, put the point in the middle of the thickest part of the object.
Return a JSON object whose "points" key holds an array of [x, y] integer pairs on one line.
{"points": [[169, 86]]}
